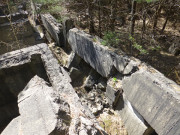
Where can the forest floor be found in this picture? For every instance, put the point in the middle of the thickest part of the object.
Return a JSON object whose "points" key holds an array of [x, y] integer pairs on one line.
{"points": [[157, 45]]}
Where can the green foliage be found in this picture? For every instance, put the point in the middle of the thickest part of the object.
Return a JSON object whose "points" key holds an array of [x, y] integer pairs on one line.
{"points": [[54, 9], [46, 1], [137, 46], [50, 6], [110, 39], [155, 48], [94, 39], [148, 1], [114, 79]]}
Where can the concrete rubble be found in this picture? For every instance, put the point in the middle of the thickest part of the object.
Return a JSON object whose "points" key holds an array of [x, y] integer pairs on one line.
{"points": [[145, 99], [50, 103], [159, 110]]}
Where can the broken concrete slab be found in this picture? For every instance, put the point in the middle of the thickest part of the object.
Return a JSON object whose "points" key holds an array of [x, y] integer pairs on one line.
{"points": [[161, 107], [55, 29], [14, 17], [13, 127], [96, 55], [132, 66], [41, 109], [104, 60], [119, 61], [134, 122], [60, 83], [114, 89]]}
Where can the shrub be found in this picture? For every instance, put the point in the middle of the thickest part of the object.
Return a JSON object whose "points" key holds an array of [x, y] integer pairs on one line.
{"points": [[50, 6], [110, 39], [137, 46]]}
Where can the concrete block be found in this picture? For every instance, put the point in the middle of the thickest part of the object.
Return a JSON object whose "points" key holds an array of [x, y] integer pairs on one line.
{"points": [[119, 61], [134, 122], [95, 54], [155, 97], [131, 67], [55, 29], [114, 90], [13, 127]]}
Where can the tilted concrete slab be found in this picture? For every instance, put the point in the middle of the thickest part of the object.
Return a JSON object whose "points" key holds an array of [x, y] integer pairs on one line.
{"points": [[156, 98], [96, 55], [133, 121], [13, 127], [55, 29]]}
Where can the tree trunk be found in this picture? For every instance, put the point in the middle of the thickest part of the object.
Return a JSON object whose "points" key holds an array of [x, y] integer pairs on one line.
{"points": [[158, 10], [113, 14], [164, 26], [143, 27], [99, 17], [91, 17], [133, 11], [167, 17], [144, 12]]}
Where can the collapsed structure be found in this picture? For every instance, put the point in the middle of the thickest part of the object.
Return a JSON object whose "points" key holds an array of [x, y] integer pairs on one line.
{"points": [[36, 90], [45, 107]]}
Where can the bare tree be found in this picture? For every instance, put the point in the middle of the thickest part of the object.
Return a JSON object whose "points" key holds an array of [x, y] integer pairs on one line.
{"points": [[113, 14], [133, 11], [90, 16], [156, 15]]}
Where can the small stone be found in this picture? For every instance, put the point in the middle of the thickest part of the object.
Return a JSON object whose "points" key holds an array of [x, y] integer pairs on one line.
{"points": [[58, 48], [99, 107], [91, 80], [131, 67], [102, 83], [57, 51], [94, 111]]}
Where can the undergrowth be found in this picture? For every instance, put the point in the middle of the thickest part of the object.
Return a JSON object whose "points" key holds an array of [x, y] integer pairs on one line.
{"points": [[110, 39]]}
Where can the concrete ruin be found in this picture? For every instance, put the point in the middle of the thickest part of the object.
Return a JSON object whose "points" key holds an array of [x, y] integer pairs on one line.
{"points": [[52, 104], [154, 97], [146, 100], [16, 32]]}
